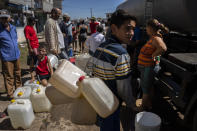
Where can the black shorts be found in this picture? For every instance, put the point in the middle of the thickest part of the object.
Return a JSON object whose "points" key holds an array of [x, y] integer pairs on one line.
{"points": [[41, 77], [82, 37]]}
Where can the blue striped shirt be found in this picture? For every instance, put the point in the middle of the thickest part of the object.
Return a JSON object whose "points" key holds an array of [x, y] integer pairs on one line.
{"points": [[111, 63]]}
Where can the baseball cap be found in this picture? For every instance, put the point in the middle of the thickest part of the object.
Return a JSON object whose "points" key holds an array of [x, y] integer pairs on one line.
{"points": [[65, 15], [4, 13], [93, 18]]}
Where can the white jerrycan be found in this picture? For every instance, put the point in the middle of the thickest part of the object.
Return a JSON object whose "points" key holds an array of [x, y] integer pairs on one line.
{"points": [[22, 92], [32, 84], [56, 97], [53, 60], [82, 112], [65, 78], [99, 96], [147, 121], [39, 100], [82, 60], [21, 113]]}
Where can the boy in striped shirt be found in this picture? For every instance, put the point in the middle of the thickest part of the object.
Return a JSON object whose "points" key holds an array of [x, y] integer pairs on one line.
{"points": [[111, 63]]}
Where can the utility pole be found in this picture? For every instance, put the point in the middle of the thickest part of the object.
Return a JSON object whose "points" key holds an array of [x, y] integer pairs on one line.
{"points": [[91, 12]]}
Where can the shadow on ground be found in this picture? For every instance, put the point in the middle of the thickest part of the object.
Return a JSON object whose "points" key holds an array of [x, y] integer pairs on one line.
{"points": [[6, 125]]}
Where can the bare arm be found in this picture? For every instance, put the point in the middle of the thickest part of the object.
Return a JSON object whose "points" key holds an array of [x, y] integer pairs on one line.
{"points": [[160, 46], [50, 68], [67, 25], [29, 46], [27, 36]]}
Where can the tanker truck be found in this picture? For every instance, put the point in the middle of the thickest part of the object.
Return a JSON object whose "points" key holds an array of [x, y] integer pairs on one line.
{"points": [[177, 78]]}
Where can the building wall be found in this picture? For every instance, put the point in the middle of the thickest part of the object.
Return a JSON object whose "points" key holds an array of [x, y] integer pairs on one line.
{"points": [[30, 3], [57, 3], [47, 5]]}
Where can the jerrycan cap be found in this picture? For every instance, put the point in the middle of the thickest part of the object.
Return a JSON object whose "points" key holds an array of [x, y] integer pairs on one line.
{"points": [[13, 100], [38, 82], [38, 90], [20, 93], [81, 78]]}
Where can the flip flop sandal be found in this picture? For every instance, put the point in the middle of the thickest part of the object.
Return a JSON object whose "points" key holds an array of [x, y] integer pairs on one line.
{"points": [[2, 115]]}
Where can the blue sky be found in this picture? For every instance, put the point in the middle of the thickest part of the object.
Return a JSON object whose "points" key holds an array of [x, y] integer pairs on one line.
{"points": [[81, 8]]}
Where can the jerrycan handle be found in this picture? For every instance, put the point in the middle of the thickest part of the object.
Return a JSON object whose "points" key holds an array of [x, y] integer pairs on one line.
{"points": [[20, 102]]}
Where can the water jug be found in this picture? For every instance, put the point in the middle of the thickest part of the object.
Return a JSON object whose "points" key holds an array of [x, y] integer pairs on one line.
{"points": [[147, 121], [99, 96], [82, 112], [53, 60], [56, 97], [32, 84], [22, 92], [65, 78], [21, 113], [39, 100], [83, 62]]}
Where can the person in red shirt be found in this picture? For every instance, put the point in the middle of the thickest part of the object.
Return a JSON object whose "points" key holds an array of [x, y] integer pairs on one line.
{"points": [[74, 42], [93, 25], [32, 42], [31, 36], [44, 69]]}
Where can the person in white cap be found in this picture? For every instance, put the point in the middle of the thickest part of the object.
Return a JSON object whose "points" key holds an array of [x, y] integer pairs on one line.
{"points": [[66, 28], [93, 42], [9, 54]]}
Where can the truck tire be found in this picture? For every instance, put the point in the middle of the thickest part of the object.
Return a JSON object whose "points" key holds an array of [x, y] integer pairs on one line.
{"points": [[195, 121]]}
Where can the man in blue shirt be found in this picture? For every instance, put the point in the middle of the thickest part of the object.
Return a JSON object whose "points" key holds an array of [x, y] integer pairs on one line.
{"points": [[66, 28], [9, 53]]}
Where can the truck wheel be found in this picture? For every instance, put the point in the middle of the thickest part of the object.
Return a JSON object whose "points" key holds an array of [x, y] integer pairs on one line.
{"points": [[195, 121]]}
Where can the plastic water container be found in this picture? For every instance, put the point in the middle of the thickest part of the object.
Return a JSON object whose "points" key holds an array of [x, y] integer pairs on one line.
{"points": [[39, 100], [22, 92], [81, 61], [21, 113], [32, 84], [147, 121], [56, 97], [99, 96], [82, 112], [65, 78], [53, 60]]}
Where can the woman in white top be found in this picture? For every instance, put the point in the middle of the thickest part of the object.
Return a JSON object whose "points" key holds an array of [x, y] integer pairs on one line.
{"points": [[95, 40]]}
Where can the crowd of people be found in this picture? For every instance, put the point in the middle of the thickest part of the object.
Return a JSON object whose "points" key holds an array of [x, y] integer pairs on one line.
{"points": [[117, 52]]}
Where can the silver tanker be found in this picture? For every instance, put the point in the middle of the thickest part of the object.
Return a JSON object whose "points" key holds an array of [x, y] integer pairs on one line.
{"points": [[179, 15]]}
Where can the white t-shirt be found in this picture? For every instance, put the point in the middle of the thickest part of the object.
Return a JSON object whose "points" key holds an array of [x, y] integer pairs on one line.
{"points": [[94, 41], [60, 36]]}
